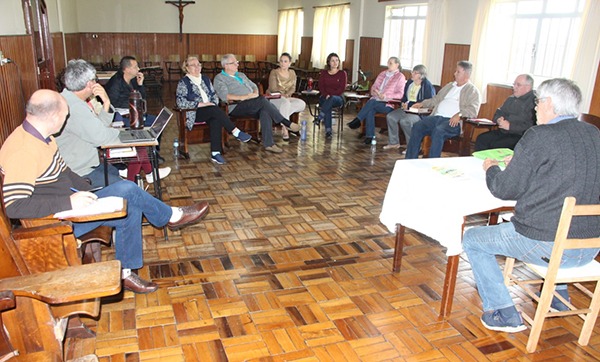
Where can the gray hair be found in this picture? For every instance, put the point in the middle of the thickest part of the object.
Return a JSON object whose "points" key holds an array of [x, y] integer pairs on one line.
{"points": [[528, 79], [396, 60], [225, 59], [565, 94], [77, 73], [466, 66], [421, 69]]}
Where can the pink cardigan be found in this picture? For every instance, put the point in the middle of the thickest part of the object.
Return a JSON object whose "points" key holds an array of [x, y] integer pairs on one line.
{"points": [[394, 87]]}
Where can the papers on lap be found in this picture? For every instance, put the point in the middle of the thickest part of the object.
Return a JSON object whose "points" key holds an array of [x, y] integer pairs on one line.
{"points": [[482, 121], [103, 205], [418, 110], [498, 154]]}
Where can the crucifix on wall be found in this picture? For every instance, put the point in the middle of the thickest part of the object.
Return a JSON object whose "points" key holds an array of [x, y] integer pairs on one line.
{"points": [[180, 5]]}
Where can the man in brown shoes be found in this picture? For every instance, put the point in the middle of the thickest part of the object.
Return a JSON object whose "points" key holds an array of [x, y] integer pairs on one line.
{"points": [[37, 183]]}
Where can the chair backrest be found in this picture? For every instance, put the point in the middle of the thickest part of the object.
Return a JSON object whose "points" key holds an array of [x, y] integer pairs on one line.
{"points": [[590, 118], [250, 58], [208, 57], [155, 58], [174, 58], [562, 241], [272, 58]]}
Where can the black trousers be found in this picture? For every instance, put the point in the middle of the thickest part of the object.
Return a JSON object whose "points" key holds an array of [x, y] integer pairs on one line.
{"points": [[496, 139], [266, 112], [216, 120]]}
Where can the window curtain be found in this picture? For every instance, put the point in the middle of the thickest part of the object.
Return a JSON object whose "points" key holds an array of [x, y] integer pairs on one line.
{"points": [[588, 53], [330, 31], [481, 45], [433, 57], [289, 35]]}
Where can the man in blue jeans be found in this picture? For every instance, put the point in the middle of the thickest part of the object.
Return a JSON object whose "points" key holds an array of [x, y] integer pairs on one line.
{"points": [[558, 158], [457, 99], [37, 183]]}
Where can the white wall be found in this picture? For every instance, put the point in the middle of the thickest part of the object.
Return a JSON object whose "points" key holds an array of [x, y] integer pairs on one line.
{"points": [[12, 21], [68, 16], [155, 16]]}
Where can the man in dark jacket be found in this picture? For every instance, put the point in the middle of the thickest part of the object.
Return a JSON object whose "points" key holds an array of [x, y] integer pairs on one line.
{"points": [[558, 158], [513, 118]]}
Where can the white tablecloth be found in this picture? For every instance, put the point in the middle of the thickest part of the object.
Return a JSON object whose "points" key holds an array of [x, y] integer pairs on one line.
{"points": [[433, 195]]}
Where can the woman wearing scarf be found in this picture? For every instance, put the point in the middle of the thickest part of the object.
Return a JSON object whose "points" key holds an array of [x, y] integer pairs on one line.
{"points": [[388, 85], [195, 90]]}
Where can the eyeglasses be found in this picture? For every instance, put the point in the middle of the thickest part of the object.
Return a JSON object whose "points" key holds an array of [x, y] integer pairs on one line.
{"points": [[232, 63], [541, 99], [194, 65], [95, 80]]}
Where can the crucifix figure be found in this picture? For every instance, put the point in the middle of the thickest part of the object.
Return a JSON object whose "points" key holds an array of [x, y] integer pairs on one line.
{"points": [[180, 5]]}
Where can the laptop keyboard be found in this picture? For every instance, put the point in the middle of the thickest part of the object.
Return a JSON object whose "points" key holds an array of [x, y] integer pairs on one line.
{"points": [[141, 134]]}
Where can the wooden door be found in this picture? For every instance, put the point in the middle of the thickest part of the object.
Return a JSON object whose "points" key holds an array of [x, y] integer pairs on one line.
{"points": [[36, 22]]}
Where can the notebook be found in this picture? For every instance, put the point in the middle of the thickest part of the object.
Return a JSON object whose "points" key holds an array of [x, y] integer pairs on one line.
{"points": [[147, 133]]}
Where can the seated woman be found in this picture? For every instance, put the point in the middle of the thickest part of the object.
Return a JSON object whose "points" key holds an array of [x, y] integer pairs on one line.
{"points": [[283, 80], [332, 83], [388, 85], [196, 91], [417, 89]]}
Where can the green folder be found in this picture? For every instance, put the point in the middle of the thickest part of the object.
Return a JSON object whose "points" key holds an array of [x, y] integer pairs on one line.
{"points": [[497, 154]]}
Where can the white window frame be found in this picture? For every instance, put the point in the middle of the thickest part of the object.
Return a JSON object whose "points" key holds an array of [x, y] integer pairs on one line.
{"points": [[409, 54]]}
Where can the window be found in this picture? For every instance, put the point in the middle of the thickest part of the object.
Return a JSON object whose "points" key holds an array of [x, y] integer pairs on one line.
{"points": [[331, 28], [404, 34], [539, 37], [289, 35]]}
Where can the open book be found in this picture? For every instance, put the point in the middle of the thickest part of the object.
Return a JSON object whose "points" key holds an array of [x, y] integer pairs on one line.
{"points": [[104, 205]]}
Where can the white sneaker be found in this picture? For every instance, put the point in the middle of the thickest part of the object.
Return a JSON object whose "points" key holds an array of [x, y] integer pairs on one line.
{"points": [[391, 147], [123, 173], [404, 152], [162, 173]]}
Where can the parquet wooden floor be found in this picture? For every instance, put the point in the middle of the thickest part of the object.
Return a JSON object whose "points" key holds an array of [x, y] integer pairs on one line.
{"points": [[292, 264]]}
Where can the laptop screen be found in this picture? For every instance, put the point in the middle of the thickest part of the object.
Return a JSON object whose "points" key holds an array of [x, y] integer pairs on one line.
{"points": [[161, 120]]}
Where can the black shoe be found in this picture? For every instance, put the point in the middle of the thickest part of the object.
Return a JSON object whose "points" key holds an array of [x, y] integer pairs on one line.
{"points": [[328, 135], [354, 124], [368, 140]]}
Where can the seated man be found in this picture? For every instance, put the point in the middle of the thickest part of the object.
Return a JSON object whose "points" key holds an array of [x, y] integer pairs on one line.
{"points": [[231, 85], [457, 99], [514, 117], [556, 159], [37, 183], [88, 129], [120, 85]]}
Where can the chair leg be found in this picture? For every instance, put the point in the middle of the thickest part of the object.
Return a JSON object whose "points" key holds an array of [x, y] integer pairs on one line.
{"points": [[540, 316], [509, 264], [590, 318]]}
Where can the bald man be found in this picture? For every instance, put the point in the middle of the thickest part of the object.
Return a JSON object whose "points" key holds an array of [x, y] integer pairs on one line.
{"points": [[37, 183]]}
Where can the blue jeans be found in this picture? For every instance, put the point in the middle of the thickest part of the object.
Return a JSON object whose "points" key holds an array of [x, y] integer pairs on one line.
{"points": [[326, 105], [438, 128], [367, 114], [96, 177], [482, 244], [128, 243]]}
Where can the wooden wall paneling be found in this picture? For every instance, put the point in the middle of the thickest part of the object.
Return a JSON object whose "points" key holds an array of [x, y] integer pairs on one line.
{"points": [[19, 49], [370, 56], [59, 52], [349, 62], [12, 107], [306, 49], [595, 105], [496, 95], [73, 46], [259, 45], [452, 54]]}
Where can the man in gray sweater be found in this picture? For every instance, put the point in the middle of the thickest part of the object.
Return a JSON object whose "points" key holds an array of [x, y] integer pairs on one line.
{"points": [[232, 85], [558, 158]]}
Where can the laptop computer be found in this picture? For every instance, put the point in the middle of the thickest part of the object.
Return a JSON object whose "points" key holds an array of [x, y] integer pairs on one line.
{"points": [[147, 133]]}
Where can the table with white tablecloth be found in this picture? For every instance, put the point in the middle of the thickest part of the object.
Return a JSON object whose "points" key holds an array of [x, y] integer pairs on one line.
{"points": [[434, 196]]}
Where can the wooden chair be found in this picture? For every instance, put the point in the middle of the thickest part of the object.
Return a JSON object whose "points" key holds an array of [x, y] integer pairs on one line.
{"points": [[248, 124], [590, 118], [200, 132], [173, 65], [263, 86], [44, 302], [460, 144], [554, 274], [153, 59]]}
